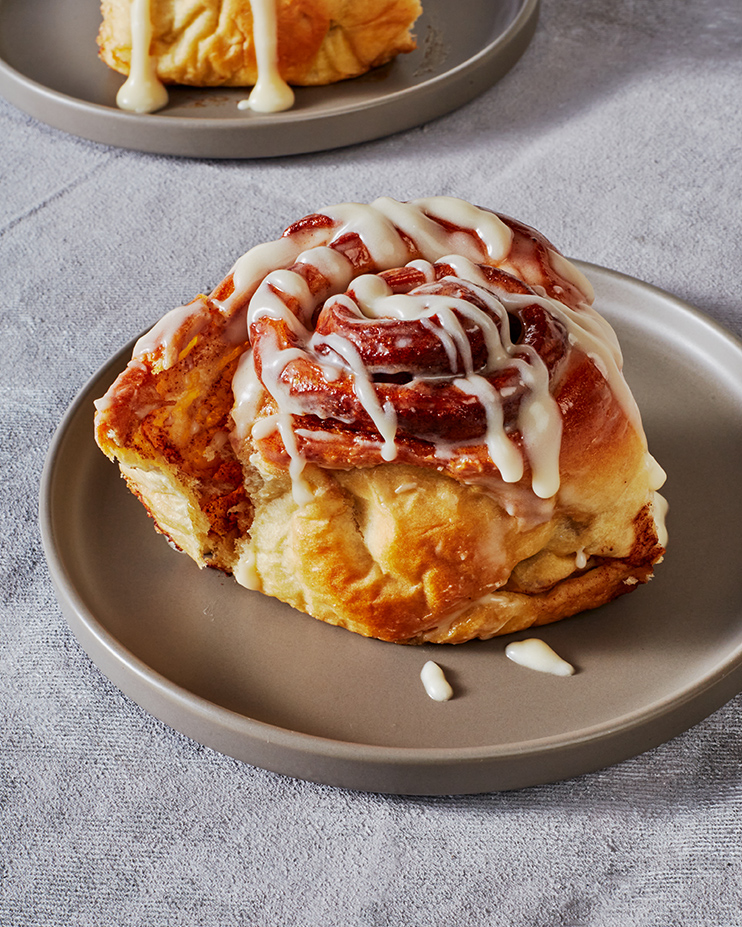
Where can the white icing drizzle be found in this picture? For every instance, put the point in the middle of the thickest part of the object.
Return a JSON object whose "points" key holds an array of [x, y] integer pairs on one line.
{"points": [[162, 335], [657, 475], [385, 244], [589, 331], [245, 571], [255, 264], [541, 426], [571, 273], [387, 228], [657, 478], [375, 299], [435, 682], [449, 343], [503, 453], [248, 392], [142, 92], [384, 418], [283, 421], [271, 93], [268, 302], [301, 490], [659, 510], [537, 655], [377, 225]]}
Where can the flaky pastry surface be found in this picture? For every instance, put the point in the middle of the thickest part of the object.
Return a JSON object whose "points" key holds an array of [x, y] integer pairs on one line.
{"points": [[209, 43], [422, 547]]}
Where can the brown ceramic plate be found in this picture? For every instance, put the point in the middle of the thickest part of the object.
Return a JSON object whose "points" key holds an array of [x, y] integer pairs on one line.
{"points": [[256, 680], [49, 67]]}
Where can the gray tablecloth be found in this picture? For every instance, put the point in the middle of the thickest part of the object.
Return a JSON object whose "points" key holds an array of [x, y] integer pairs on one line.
{"points": [[619, 135]]}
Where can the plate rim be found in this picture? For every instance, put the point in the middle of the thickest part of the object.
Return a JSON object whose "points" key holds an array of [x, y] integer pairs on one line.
{"points": [[351, 764], [284, 136]]}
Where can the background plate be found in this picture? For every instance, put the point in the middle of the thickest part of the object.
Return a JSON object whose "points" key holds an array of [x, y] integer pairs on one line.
{"points": [[256, 680], [49, 67]]}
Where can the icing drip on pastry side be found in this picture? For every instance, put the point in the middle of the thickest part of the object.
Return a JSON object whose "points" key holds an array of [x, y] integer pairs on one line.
{"points": [[143, 92], [659, 511], [271, 93], [342, 253]]}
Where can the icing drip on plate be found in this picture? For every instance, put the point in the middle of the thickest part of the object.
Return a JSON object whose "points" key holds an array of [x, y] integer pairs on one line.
{"points": [[435, 682], [537, 655]]}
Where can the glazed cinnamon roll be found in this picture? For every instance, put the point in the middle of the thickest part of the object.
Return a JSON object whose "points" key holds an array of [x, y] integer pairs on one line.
{"points": [[403, 418]]}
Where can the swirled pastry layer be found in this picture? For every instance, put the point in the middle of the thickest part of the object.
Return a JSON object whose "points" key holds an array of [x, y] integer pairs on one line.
{"points": [[210, 43], [403, 418]]}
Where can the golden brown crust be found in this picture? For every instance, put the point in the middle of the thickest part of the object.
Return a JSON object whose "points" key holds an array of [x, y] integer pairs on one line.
{"points": [[209, 43], [169, 430], [410, 555]]}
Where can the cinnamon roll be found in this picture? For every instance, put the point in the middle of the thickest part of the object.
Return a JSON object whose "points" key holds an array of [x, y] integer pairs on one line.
{"points": [[403, 418]]}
